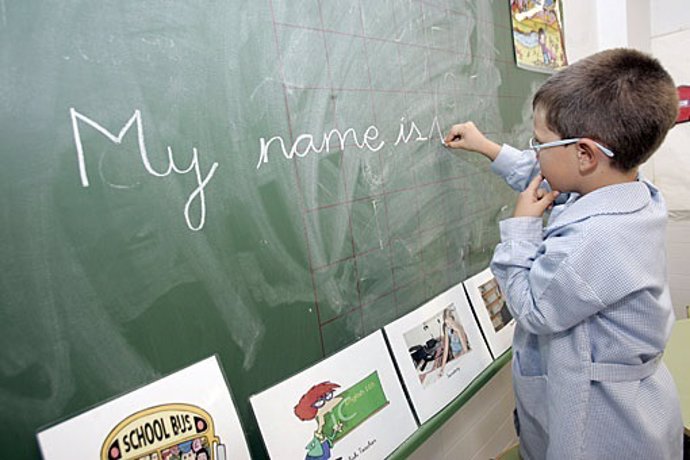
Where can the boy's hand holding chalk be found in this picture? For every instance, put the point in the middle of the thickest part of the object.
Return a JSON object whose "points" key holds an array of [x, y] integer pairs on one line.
{"points": [[466, 136]]}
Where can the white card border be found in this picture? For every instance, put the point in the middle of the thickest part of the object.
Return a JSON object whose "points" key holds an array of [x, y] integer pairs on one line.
{"points": [[98, 421], [499, 341], [279, 426], [429, 401]]}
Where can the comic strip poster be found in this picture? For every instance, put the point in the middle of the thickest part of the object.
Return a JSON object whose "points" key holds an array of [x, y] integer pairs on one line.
{"points": [[349, 406], [538, 35], [188, 415], [439, 350], [492, 311]]}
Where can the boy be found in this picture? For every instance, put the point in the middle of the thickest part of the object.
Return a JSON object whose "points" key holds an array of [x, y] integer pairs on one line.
{"points": [[589, 291]]}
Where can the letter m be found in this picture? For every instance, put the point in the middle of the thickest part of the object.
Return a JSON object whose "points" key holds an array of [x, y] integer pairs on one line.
{"points": [[117, 139]]}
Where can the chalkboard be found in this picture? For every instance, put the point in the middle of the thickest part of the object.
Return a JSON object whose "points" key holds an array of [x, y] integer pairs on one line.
{"points": [[263, 180]]}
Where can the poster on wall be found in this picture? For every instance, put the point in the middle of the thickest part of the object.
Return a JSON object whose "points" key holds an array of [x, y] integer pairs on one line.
{"points": [[188, 415], [492, 311], [348, 406], [439, 351], [538, 35]]}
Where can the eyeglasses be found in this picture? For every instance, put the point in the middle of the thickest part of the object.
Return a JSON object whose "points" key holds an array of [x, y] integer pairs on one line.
{"points": [[319, 403], [537, 146]]}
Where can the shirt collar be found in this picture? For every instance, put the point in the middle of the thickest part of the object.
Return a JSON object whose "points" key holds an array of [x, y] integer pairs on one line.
{"points": [[614, 199]]}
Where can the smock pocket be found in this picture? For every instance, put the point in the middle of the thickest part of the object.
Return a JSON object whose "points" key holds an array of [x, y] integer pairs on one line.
{"points": [[531, 399]]}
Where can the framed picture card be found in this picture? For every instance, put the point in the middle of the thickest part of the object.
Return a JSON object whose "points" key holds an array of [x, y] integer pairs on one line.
{"points": [[538, 41], [492, 312], [186, 415], [348, 406], [439, 351]]}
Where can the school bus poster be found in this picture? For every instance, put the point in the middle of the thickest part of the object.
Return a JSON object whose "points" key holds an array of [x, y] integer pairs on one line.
{"points": [[187, 415], [168, 432]]}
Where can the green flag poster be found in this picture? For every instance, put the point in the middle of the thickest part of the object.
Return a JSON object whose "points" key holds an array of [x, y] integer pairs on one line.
{"points": [[359, 402]]}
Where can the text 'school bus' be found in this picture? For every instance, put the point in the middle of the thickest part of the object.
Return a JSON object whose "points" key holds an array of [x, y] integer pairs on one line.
{"points": [[167, 432]]}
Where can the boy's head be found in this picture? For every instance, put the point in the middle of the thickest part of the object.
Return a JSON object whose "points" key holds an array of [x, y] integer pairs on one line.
{"points": [[621, 98]]}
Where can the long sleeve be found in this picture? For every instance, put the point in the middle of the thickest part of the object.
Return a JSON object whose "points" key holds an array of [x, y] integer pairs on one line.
{"points": [[545, 293], [516, 167], [593, 312]]}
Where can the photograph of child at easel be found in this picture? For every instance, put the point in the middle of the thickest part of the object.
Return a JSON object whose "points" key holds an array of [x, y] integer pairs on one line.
{"points": [[436, 342]]}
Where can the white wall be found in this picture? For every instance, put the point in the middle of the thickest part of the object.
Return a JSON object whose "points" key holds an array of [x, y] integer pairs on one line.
{"points": [[594, 25], [670, 39], [580, 24], [668, 16], [670, 26]]}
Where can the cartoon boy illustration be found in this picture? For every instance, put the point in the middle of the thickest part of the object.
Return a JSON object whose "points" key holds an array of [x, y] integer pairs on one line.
{"points": [[316, 404]]}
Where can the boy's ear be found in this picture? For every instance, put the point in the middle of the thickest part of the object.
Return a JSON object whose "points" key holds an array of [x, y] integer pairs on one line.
{"points": [[587, 157]]}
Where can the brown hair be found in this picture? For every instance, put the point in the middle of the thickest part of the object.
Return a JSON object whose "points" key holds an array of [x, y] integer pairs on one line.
{"points": [[621, 98]]}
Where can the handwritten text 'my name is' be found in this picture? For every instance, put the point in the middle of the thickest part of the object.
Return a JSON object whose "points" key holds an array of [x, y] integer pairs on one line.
{"points": [[301, 147]]}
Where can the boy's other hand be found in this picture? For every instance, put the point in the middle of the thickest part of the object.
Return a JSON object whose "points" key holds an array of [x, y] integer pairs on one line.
{"points": [[468, 137], [534, 201]]}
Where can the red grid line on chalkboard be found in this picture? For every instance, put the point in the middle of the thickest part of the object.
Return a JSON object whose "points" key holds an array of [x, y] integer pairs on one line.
{"points": [[443, 269], [414, 173], [402, 91], [449, 255], [462, 13], [417, 183], [451, 51], [342, 174], [395, 281], [385, 193], [372, 38], [298, 181], [450, 222], [380, 157]]}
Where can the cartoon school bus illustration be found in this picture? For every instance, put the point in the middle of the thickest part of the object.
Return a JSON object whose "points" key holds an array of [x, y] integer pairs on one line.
{"points": [[166, 432], [338, 415]]}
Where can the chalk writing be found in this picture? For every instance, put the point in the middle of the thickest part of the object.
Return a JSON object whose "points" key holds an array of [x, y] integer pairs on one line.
{"points": [[370, 135], [194, 165], [305, 143]]}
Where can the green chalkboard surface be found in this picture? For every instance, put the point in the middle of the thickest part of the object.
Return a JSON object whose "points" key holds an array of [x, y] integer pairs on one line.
{"points": [[259, 179]]}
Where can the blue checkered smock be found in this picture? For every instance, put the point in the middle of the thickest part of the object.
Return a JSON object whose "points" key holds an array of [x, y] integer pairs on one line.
{"points": [[591, 300]]}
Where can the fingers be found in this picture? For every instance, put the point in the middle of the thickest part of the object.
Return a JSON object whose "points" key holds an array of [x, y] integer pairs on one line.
{"points": [[533, 186], [534, 201], [456, 137], [547, 200]]}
